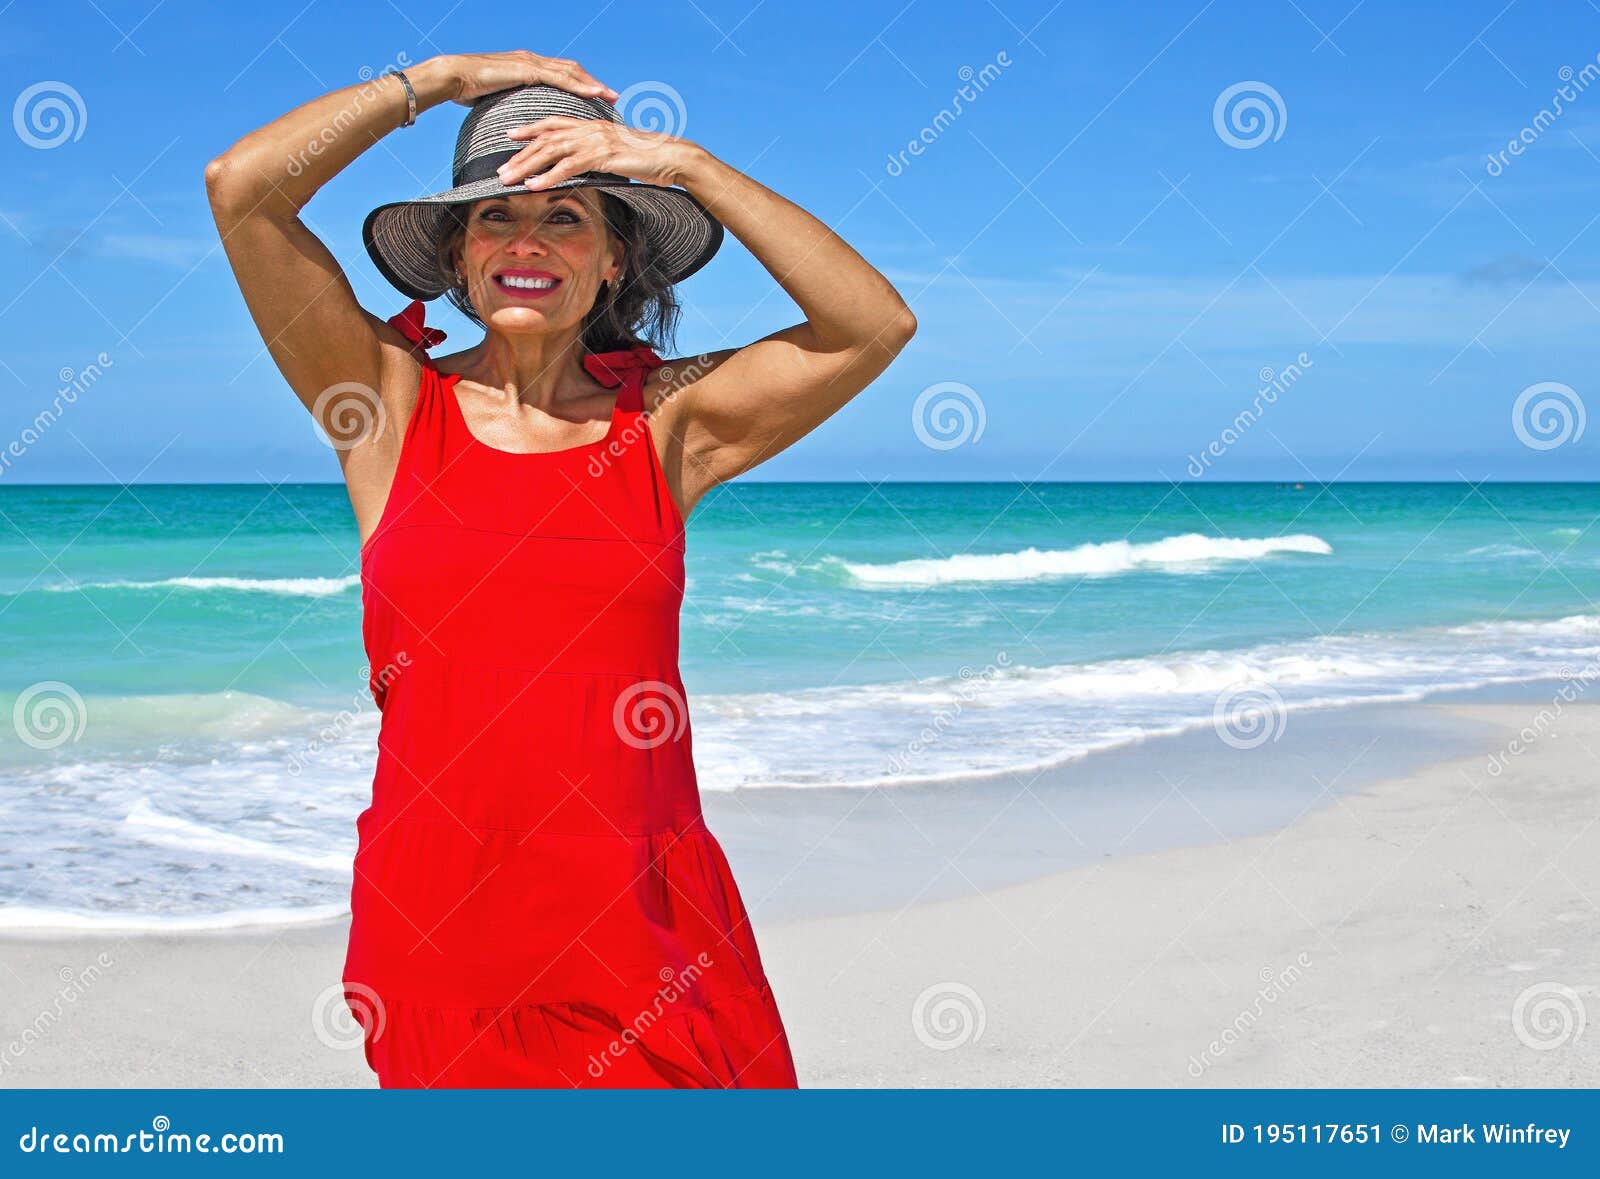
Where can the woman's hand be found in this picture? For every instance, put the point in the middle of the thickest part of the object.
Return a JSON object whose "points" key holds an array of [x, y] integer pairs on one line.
{"points": [[561, 147], [478, 74]]}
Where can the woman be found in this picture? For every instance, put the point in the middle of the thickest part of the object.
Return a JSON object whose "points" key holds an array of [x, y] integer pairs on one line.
{"points": [[537, 901]]}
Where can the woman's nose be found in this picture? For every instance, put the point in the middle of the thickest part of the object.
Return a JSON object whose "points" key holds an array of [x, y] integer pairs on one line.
{"points": [[527, 242]]}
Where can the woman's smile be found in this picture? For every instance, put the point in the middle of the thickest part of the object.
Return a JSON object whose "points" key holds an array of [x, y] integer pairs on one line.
{"points": [[527, 284]]}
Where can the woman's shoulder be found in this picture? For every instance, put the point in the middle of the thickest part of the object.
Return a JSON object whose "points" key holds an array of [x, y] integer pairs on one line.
{"points": [[668, 378]]}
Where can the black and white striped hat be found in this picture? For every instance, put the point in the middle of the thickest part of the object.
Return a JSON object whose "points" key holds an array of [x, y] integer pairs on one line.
{"points": [[401, 236]]}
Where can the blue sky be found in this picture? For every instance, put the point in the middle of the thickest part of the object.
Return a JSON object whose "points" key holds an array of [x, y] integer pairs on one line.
{"points": [[1099, 274]]}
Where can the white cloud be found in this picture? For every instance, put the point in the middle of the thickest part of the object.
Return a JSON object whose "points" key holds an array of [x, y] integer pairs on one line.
{"points": [[180, 253]]}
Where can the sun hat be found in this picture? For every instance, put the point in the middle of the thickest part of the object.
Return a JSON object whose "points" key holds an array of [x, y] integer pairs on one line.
{"points": [[401, 235]]}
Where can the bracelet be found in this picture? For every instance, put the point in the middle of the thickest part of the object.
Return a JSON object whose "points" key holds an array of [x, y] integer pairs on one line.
{"points": [[411, 98]]}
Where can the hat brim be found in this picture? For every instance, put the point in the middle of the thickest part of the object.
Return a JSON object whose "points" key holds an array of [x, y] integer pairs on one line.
{"points": [[400, 235]]}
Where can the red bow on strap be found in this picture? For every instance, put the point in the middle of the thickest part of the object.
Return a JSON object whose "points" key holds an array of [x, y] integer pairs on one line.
{"points": [[409, 323], [611, 367]]}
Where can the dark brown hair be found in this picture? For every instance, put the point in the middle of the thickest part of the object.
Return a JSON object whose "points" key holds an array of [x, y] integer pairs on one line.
{"points": [[640, 307]]}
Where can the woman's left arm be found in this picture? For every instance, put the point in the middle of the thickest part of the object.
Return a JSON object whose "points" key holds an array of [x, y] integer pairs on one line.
{"points": [[738, 407], [723, 413]]}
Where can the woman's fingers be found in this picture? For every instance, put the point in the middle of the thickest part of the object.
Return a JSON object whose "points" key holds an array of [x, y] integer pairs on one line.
{"points": [[555, 174], [548, 123], [535, 158], [571, 76], [488, 72]]}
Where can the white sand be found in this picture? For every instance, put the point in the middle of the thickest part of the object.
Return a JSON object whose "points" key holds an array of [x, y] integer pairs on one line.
{"points": [[1400, 924]]}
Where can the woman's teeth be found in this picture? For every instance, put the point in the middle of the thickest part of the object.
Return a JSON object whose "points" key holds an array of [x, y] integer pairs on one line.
{"points": [[528, 284]]}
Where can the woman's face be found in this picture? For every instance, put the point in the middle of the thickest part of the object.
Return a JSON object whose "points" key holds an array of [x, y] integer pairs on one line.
{"points": [[535, 261]]}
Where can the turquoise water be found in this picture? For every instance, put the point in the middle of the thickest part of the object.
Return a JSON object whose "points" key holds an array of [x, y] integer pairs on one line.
{"points": [[200, 647]]}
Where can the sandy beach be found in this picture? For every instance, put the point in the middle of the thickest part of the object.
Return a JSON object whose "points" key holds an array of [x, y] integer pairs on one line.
{"points": [[1435, 929]]}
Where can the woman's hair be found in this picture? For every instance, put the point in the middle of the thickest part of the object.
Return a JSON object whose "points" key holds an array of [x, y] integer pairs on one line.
{"points": [[640, 307]]}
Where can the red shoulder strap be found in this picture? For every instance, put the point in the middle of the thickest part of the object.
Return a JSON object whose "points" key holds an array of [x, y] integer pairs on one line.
{"points": [[626, 367]]}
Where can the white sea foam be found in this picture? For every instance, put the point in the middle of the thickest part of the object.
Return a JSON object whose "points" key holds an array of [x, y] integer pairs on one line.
{"points": [[1173, 554], [160, 721], [241, 822], [20, 917], [315, 587], [1030, 717], [1502, 551], [1573, 626], [150, 825]]}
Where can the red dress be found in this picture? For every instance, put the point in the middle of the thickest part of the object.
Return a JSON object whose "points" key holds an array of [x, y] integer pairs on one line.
{"points": [[537, 901]]}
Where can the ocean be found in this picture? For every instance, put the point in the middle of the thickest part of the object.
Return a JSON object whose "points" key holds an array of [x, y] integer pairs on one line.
{"points": [[190, 736]]}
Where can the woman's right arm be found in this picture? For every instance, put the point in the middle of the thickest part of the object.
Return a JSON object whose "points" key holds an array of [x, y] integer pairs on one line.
{"points": [[301, 301], [321, 338]]}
